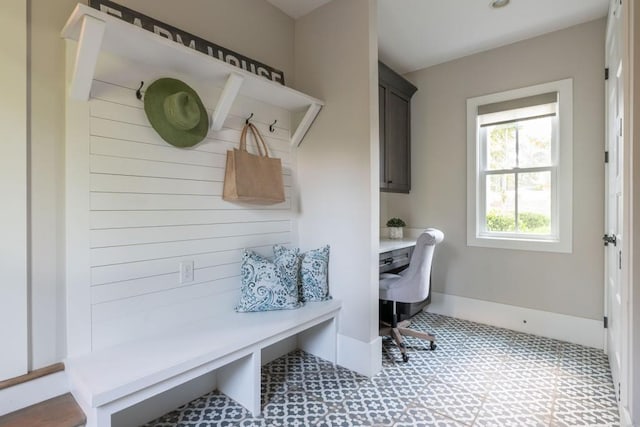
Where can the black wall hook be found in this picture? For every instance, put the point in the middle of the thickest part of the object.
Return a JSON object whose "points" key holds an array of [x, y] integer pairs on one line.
{"points": [[271, 126], [246, 122], [138, 92]]}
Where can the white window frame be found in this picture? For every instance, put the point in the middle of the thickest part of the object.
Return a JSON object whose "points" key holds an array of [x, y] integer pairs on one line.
{"points": [[561, 174]]}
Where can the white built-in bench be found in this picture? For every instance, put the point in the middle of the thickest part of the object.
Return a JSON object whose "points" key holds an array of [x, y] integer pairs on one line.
{"points": [[110, 380]]}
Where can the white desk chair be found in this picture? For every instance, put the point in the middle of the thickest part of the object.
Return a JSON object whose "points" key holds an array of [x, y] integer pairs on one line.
{"points": [[410, 286]]}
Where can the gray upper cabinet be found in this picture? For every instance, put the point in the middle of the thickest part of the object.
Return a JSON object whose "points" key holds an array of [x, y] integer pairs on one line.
{"points": [[395, 130]]}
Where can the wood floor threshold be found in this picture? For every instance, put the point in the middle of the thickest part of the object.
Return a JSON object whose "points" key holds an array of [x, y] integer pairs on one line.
{"points": [[61, 411], [38, 373]]}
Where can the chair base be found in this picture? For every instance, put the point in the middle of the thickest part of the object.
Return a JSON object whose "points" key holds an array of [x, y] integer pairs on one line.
{"points": [[401, 329]]}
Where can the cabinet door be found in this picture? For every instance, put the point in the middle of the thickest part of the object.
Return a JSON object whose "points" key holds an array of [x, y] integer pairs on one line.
{"points": [[397, 141], [382, 119]]}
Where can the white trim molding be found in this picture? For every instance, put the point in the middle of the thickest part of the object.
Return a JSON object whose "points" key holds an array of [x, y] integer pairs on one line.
{"points": [[577, 330], [562, 187], [362, 357]]}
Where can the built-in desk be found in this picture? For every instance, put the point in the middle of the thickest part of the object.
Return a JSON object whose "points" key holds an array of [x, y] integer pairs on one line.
{"points": [[387, 245], [395, 255]]}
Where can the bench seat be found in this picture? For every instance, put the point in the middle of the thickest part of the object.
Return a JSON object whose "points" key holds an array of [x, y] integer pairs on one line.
{"points": [[110, 380]]}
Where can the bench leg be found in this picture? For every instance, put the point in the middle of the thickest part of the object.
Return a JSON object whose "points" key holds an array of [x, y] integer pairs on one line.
{"points": [[240, 380], [321, 340]]}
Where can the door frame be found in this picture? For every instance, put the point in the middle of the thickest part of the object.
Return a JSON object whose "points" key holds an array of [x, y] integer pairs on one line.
{"points": [[632, 37], [629, 381]]}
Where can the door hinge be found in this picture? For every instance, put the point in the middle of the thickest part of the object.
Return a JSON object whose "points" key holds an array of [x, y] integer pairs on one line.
{"points": [[606, 157], [610, 239], [605, 320], [620, 127], [619, 396], [606, 73]]}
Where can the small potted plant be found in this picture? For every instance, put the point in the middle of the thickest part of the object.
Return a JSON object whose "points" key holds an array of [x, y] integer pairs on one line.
{"points": [[395, 228]]}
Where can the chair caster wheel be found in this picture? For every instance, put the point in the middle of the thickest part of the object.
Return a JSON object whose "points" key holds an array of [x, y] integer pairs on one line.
{"points": [[433, 346], [405, 358]]}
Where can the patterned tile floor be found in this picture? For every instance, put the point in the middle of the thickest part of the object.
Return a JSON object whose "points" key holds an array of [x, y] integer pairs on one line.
{"points": [[478, 376]]}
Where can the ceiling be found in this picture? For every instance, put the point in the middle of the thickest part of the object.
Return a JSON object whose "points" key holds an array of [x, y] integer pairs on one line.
{"points": [[415, 34], [297, 8]]}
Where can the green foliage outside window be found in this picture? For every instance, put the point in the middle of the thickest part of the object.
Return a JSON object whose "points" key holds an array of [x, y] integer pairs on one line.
{"points": [[535, 223], [528, 222], [497, 222]]}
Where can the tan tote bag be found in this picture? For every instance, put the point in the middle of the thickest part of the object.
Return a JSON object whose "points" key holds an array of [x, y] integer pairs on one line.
{"points": [[252, 178]]}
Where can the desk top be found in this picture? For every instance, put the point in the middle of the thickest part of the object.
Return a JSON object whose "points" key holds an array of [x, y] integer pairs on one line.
{"points": [[387, 245]]}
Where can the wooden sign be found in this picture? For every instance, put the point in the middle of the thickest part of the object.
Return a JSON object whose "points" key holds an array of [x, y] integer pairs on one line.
{"points": [[189, 40]]}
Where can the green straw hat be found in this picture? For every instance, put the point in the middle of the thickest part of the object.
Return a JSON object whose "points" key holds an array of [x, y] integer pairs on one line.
{"points": [[176, 112]]}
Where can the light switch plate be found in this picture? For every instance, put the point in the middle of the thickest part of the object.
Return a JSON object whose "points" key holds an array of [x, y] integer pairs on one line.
{"points": [[186, 271]]}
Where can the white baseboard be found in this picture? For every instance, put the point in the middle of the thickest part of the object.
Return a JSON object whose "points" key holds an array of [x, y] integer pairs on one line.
{"points": [[625, 417], [32, 392], [573, 329], [362, 357]]}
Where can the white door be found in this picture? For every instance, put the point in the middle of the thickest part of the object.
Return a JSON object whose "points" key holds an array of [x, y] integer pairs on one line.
{"points": [[614, 200]]}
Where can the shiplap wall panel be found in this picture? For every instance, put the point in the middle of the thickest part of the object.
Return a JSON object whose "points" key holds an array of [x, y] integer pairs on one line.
{"points": [[115, 255], [110, 183], [134, 150], [137, 167], [128, 219], [167, 314], [106, 183], [154, 284], [155, 267], [153, 206], [114, 183], [137, 236], [110, 310], [132, 202], [146, 135]]}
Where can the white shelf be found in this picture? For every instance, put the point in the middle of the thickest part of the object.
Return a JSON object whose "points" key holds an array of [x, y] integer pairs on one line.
{"points": [[96, 31]]}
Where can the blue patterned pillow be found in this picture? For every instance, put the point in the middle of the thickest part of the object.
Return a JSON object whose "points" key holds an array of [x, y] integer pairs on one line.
{"points": [[314, 273], [268, 285]]}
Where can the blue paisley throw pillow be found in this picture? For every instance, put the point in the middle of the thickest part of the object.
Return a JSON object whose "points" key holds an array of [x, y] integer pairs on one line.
{"points": [[268, 285], [314, 273]]}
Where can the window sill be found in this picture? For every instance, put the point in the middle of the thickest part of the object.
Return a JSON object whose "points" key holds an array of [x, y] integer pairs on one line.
{"points": [[521, 244]]}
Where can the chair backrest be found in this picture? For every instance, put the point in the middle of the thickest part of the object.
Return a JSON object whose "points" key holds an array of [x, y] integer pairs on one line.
{"points": [[416, 279]]}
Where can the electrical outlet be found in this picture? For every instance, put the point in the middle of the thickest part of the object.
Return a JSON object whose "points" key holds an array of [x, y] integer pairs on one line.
{"points": [[186, 271]]}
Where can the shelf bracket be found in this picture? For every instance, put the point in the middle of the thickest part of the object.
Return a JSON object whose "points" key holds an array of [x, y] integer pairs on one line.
{"points": [[91, 35], [305, 124], [228, 95]]}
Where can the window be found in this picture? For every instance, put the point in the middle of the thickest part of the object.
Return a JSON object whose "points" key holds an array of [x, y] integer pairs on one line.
{"points": [[519, 187]]}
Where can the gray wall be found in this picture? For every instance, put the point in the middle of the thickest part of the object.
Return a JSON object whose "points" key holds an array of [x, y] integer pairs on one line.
{"points": [[570, 284], [336, 60], [13, 187], [254, 28]]}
